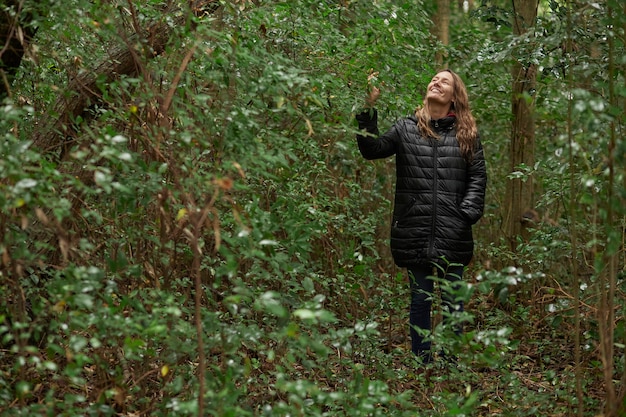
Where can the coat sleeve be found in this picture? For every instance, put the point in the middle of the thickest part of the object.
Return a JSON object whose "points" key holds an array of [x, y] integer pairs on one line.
{"points": [[473, 203], [371, 144]]}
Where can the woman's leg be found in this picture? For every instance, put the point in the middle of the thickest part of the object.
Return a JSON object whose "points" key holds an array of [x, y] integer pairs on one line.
{"points": [[421, 285]]}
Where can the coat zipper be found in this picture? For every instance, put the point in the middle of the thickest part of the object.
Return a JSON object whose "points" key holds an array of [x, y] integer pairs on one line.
{"points": [[431, 243]]}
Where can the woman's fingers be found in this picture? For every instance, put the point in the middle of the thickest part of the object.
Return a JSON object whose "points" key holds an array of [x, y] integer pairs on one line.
{"points": [[373, 95]]}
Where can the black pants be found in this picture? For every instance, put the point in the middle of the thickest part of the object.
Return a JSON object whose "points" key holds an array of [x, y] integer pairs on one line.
{"points": [[422, 286]]}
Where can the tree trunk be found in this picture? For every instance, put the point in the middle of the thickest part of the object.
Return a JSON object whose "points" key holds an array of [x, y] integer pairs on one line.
{"points": [[441, 28], [621, 102], [522, 146]]}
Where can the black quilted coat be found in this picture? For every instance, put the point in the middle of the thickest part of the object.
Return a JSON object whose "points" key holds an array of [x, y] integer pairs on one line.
{"points": [[439, 195]]}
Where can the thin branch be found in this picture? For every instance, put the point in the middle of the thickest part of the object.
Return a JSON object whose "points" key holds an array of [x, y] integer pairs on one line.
{"points": [[172, 91]]}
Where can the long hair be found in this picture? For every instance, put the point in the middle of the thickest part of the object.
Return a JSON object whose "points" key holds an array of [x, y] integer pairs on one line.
{"points": [[466, 130]]}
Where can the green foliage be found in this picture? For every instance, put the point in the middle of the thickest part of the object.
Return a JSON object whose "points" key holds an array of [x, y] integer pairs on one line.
{"points": [[223, 174]]}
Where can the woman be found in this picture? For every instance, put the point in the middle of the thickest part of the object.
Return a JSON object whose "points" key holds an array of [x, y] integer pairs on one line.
{"points": [[440, 192]]}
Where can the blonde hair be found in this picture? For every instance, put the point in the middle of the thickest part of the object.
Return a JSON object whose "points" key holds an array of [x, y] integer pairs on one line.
{"points": [[466, 130]]}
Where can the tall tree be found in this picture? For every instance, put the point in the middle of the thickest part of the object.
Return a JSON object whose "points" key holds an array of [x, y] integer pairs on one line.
{"points": [[522, 146], [608, 267], [441, 27]]}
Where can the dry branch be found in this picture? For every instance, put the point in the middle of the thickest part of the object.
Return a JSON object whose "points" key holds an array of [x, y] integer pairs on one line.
{"points": [[56, 129]]}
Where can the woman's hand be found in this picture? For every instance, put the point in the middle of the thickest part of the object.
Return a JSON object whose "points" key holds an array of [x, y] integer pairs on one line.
{"points": [[374, 92], [372, 97]]}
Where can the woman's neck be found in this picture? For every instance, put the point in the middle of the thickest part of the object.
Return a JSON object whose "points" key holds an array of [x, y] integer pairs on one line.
{"points": [[438, 111]]}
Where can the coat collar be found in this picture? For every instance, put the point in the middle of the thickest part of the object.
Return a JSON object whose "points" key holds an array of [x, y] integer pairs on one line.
{"points": [[445, 123]]}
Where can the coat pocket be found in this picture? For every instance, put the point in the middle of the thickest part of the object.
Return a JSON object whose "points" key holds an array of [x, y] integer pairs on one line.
{"points": [[397, 219]]}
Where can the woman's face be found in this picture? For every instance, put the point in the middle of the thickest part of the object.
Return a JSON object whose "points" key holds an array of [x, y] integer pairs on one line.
{"points": [[441, 89]]}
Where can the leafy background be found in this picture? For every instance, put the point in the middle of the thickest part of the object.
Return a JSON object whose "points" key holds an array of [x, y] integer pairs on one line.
{"points": [[208, 226]]}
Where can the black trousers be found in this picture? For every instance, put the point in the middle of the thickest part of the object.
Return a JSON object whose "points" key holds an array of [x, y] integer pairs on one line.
{"points": [[422, 280]]}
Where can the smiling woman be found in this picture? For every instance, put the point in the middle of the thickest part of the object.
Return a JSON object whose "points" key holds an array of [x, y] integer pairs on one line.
{"points": [[439, 105], [440, 192], [439, 94]]}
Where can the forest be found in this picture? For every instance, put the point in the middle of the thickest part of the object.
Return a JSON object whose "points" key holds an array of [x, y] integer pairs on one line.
{"points": [[188, 228]]}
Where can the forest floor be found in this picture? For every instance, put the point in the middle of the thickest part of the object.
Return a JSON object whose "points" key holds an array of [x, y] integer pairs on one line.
{"points": [[535, 376]]}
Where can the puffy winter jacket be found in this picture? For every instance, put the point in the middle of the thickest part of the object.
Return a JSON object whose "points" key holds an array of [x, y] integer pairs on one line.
{"points": [[439, 195]]}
